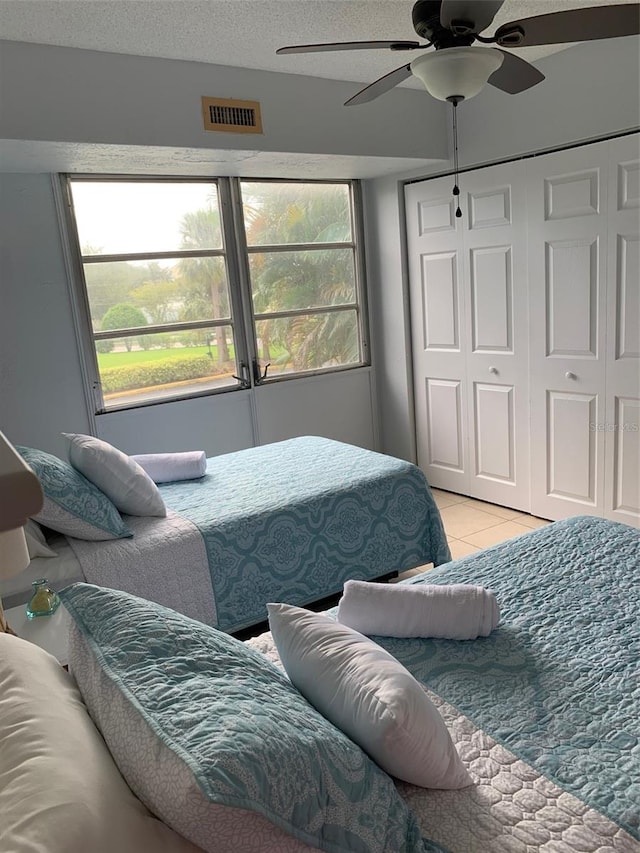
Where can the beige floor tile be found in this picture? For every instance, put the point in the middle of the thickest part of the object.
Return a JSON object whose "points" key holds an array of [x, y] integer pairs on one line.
{"points": [[459, 549], [532, 521], [494, 535], [461, 520], [444, 499], [494, 509], [411, 572]]}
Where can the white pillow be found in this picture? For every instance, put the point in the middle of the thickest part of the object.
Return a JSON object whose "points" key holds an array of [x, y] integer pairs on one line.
{"points": [[368, 694], [121, 479], [36, 543], [60, 789]]}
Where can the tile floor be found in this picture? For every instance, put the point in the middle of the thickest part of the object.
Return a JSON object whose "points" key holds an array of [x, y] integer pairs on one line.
{"points": [[471, 525]]}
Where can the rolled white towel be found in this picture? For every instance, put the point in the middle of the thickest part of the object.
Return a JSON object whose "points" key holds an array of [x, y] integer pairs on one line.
{"points": [[170, 467], [453, 612]]}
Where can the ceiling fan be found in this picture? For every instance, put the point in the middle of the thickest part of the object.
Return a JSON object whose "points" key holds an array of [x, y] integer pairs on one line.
{"points": [[455, 71]]}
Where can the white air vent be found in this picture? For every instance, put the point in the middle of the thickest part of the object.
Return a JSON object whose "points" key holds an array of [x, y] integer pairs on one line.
{"points": [[227, 115]]}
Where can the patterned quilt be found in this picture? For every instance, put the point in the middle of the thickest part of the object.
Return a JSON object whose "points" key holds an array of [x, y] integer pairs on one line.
{"points": [[295, 519], [545, 712], [289, 521]]}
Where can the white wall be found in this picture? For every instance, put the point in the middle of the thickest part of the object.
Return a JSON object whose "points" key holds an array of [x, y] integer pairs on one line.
{"points": [[384, 237], [340, 405], [334, 405], [591, 91], [41, 392], [83, 96], [214, 423]]}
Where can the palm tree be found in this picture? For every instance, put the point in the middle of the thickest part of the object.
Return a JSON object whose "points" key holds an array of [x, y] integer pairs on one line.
{"points": [[293, 214], [203, 281]]}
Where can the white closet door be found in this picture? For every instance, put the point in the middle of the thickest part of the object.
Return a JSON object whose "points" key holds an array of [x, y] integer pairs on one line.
{"points": [[437, 308], [622, 409], [495, 273], [525, 318], [567, 215], [469, 334]]}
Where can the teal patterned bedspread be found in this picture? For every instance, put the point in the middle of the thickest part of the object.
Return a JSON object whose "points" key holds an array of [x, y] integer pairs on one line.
{"points": [[558, 683], [293, 520], [189, 700]]}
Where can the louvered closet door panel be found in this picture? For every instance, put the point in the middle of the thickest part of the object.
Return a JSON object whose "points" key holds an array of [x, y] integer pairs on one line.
{"points": [[436, 275], [621, 425], [567, 215], [495, 247]]}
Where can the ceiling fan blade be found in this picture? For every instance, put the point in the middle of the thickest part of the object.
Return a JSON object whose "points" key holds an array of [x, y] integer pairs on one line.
{"points": [[380, 86], [351, 45], [515, 75], [479, 15], [592, 22]]}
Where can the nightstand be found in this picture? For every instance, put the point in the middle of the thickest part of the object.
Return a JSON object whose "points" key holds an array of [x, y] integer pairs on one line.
{"points": [[51, 633]]}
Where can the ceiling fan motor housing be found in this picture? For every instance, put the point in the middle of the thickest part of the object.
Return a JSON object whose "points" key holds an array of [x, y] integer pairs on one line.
{"points": [[426, 22]]}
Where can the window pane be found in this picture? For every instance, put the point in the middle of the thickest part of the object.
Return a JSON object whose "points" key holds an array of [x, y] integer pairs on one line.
{"points": [[309, 342], [132, 294], [296, 213], [158, 365], [283, 281], [120, 218]]}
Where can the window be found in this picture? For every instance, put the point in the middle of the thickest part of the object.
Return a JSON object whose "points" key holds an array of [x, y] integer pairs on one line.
{"points": [[157, 287], [180, 297], [302, 269]]}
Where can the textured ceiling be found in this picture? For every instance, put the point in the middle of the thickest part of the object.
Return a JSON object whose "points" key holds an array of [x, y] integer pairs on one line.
{"points": [[243, 33]]}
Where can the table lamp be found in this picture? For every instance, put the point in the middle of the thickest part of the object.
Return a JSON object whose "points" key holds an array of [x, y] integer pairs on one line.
{"points": [[20, 497]]}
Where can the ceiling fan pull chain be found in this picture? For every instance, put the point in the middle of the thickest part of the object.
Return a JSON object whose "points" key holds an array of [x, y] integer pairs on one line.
{"points": [[456, 188]]}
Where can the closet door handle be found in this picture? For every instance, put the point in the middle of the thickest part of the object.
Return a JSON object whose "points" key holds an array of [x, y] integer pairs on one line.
{"points": [[493, 370], [570, 375]]}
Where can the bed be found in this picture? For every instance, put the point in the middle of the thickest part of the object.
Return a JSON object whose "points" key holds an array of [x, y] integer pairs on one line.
{"points": [[544, 712], [288, 521]]}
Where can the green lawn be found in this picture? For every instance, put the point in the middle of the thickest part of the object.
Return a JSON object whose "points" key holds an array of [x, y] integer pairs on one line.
{"points": [[120, 359]]}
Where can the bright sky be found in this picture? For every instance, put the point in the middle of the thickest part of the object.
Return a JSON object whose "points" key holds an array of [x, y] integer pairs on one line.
{"points": [[118, 218]]}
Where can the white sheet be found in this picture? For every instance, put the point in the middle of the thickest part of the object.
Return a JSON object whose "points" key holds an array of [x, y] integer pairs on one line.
{"points": [[165, 561]]}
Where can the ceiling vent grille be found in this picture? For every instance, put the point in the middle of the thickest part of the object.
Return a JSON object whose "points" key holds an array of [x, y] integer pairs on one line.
{"points": [[227, 115]]}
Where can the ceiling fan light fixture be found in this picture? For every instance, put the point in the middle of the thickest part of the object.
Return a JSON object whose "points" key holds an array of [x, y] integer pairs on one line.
{"points": [[456, 72]]}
